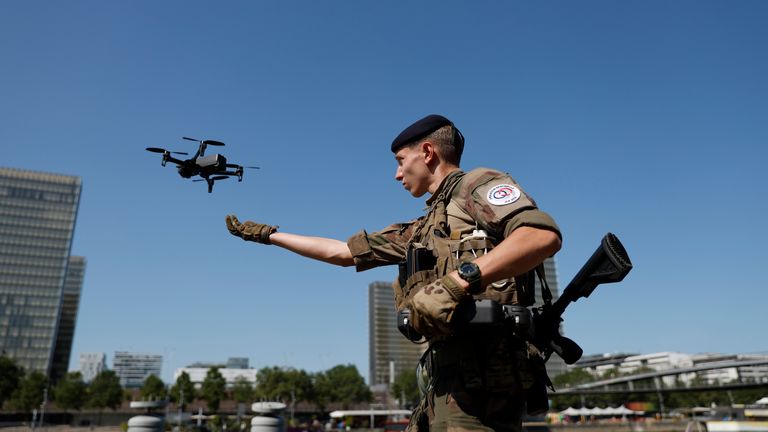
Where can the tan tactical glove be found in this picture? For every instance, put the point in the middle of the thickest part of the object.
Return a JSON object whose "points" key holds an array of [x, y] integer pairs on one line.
{"points": [[248, 230], [432, 306]]}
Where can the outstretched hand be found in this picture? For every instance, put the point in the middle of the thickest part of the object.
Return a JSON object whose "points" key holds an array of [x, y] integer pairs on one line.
{"points": [[249, 230]]}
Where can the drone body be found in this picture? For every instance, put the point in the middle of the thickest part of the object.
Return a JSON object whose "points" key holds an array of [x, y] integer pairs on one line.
{"points": [[209, 168]]}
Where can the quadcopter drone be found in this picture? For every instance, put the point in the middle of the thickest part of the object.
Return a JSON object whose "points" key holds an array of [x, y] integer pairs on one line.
{"points": [[210, 168]]}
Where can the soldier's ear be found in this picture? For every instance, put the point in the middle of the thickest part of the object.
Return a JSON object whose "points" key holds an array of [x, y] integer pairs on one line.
{"points": [[428, 151]]}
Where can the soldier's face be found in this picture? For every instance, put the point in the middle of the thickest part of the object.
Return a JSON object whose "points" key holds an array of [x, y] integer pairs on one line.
{"points": [[412, 170]]}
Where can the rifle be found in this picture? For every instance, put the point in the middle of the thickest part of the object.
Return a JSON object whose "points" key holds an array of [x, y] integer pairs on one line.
{"points": [[610, 263]]}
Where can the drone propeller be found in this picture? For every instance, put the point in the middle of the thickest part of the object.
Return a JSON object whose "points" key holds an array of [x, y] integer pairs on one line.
{"points": [[159, 150], [206, 142]]}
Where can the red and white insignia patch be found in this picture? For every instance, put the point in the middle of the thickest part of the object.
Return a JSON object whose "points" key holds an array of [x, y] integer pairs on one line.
{"points": [[503, 194]]}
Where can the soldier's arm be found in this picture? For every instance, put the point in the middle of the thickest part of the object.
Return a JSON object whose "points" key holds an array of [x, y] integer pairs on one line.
{"points": [[522, 250], [320, 248], [382, 248]]}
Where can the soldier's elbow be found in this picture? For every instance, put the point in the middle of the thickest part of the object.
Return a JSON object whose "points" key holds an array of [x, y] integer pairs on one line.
{"points": [[551, 242]]}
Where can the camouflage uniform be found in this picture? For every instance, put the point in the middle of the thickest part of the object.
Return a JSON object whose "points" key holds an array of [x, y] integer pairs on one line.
{"points": [[478, 376]]}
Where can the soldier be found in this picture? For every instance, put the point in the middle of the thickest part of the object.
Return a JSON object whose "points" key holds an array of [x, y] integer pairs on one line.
{"points": [[482, 238]]}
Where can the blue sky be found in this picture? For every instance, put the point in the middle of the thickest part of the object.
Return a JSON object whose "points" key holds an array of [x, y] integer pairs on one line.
{"points": [[646, 119]]}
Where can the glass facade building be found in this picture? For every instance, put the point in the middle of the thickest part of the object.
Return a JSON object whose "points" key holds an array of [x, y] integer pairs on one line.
{"points": [[92, 364], [387, 346], [133, 368], [70, 302], [37, 221]]}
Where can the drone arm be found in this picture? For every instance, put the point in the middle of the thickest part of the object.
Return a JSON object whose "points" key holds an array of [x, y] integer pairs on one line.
{"points": [[172, 159]]}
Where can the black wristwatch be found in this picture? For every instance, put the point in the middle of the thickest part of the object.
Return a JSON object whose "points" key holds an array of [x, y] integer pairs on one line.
{"points": [[470, 272]]}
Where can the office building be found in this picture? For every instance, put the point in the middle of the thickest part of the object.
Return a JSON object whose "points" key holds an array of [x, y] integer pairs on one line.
{"points": [[197, 374], [231, 363], [390, 353], [133, 368], [92, 364], [73, 285], [37, 221]]}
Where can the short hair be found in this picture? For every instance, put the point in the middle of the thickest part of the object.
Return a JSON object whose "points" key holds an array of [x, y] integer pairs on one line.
{"points": [[448, 141]]}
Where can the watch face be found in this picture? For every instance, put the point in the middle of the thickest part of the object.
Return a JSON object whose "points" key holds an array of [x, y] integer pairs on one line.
{"points": [[467, 269]]}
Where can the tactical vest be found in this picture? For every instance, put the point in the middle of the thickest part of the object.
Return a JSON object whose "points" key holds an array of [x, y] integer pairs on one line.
{"points": [[449, 235]]}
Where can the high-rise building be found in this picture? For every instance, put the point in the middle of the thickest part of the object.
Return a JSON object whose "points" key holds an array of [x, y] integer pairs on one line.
{"points": [[133, 368], [73, 285], [37, 221], [388, 348], [92, 364]]}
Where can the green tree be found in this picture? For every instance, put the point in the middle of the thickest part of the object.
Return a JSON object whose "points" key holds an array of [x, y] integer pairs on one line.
{"points": [[270, 383], [183, 387], [573, 378], [153, 388], [299, 385], [406, 388], [105, 391], [213, 389], [29, 395], [342, 384], [71, 392], [10, 377], [569, 379], [286, 385], [242, 391]]}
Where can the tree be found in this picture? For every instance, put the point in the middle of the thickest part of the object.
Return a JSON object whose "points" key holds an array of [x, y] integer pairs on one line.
{"points": [[105, 391], [10, 377], [406, 388], [242, 391], [341, 384], [153, 388], [30, 393], [213, 389], [568, 379], [183, 387], [284, 384], [71, 392]]}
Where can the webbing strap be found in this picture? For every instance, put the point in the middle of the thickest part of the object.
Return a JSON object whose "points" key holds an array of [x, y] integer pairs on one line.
{"points": [[546, 294], [440, 200]]}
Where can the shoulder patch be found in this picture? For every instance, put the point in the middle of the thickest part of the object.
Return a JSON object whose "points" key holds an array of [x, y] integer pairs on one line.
{"points": [[503, 194]]}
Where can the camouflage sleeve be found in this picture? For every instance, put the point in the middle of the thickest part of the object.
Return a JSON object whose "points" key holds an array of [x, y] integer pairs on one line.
{"points": [[380, 248], [532, 218], [493, 198]]}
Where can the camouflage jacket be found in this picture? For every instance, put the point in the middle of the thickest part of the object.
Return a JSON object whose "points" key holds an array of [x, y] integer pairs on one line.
{"points": [[468, 215]]}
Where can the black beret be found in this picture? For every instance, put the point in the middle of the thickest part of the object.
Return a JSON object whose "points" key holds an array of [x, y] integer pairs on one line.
{"points": [[424, 127]]}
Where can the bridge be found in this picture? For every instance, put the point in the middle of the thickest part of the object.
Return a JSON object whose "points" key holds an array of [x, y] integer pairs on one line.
{"points": [[651, 382]]}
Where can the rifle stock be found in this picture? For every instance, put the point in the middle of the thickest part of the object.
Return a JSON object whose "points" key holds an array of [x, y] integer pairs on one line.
{"points": [[608, 264]]}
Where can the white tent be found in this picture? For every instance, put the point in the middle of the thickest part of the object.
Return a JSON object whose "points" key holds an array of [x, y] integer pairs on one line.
{"points": [[597, 411], [762, 401], [570, 411], [622, 410]]}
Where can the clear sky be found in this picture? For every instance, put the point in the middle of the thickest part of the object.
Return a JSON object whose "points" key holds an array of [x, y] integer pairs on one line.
{"points": [[646, 119]]}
